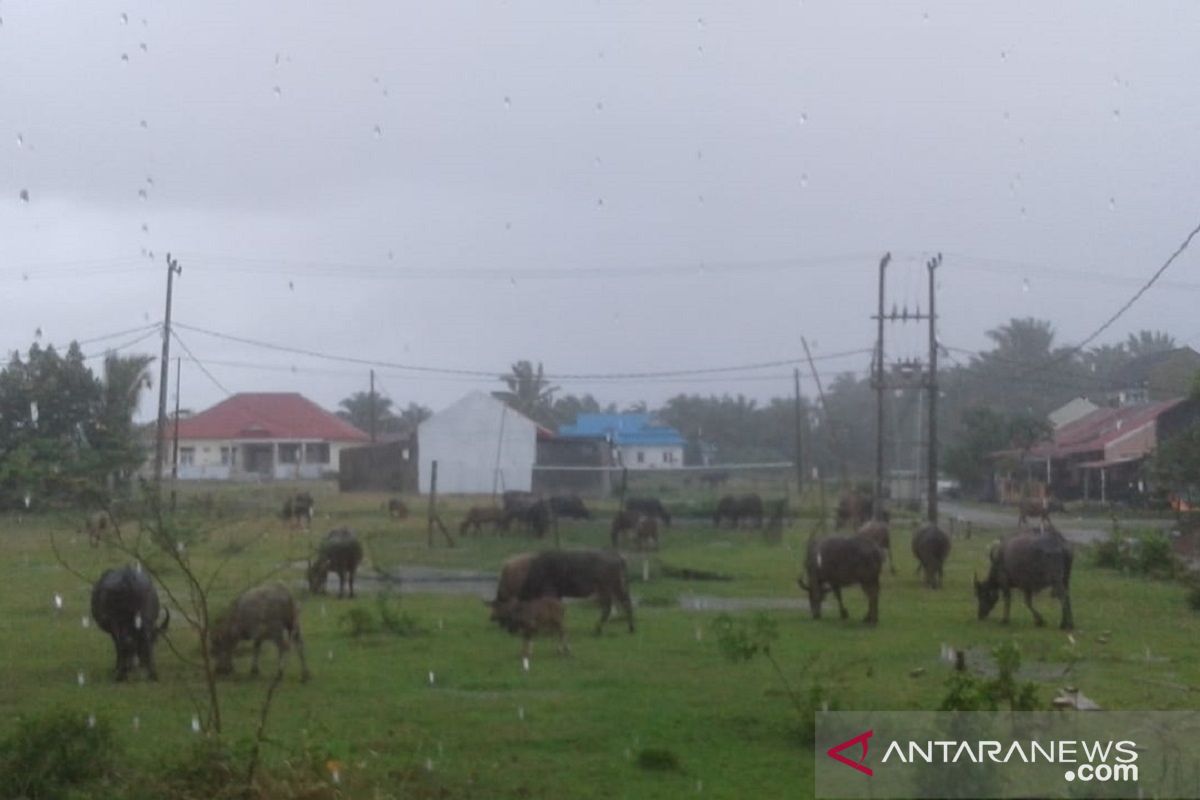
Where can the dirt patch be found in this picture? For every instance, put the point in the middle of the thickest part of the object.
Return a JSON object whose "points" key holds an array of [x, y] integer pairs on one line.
{"points": [[692, 602]]}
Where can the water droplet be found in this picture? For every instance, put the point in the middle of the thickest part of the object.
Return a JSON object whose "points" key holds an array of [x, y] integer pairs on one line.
{"points": [[1116, 115], [1025, 285], [124, 18], [803, 118], [700, 22], [80, 678], [1112, 204], [378, 131], [195, 723], [507, 227], [699, 634], [597, 161], [20, 140], [144, 125], [58, 603], [700, 49], [142, 195], [180, 548], [91, 720], [521, 713], [125, 58], [24, 195], [1003, 55], [1023, 211], [149, 180], [86, 622], [599, 202], [507, 101], [599, 105], [329, 655], [145, 228], [525, 663], [925, 17], [804, 181], [700, 198], [291, 286], [431, 678], [600, 55], [137, 722], [143, 48], [137, 565], [137, 621], [277, 91], [429, 765], [699, 155]]}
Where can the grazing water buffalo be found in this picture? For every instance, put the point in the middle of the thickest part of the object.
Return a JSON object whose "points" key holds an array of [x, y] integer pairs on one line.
{"points": [[650, 506], [739, 509], [514, 500], [534, 518], [855, 510], [478, 516], [838, 561], [265, 613], [646, 534], [580, 573], [1029, 561], [512, 577], [530, 617], [1038, 509], [879, 533], [125, 606], [96, 526], [623, 521], [299, 508], [340, 552], [931, 546], [569, 505], [396, 508]]}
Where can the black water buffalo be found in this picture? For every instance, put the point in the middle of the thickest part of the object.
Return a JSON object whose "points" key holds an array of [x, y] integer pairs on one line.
{"points": [[650, 506], [1029, 561], [580, 573], [265, 613], [299, 508], [623, 521], [478, 516], [931, 546], [396, 508], [534, 517], [340, 552], [738, 509], [838, 561], [569, 505], [854, 510], [880, 533], [514, 500], [125, 606]]}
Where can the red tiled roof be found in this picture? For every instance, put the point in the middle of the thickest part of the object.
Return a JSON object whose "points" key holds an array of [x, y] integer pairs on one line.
{"points": [[1100, 428], [269, 415]]}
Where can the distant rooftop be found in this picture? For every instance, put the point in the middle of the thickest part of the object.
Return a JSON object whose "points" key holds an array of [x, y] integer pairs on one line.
{"points": [[268, 415], [621, 429]]}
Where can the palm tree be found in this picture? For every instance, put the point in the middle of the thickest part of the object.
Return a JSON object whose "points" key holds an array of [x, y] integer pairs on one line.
{"points": [[529, 392], [1144, 342], [124, 379]]}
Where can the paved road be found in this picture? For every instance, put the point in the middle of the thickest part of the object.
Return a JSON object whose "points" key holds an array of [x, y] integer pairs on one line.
{"points": [[1077, 529]]}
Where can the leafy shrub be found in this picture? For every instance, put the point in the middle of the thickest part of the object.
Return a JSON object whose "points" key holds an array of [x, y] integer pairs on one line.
{"points": [[1139, 553], [968, 692], [48, 755], [397, 624], [359, 621]]}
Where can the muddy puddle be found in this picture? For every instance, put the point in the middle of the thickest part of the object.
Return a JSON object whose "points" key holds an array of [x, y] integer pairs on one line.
{"points": [[693, 602], [423, 580]]}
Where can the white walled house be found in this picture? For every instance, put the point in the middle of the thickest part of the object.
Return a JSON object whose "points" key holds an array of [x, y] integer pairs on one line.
{"points": [[637, 440], [262, 436], [480, 444]]}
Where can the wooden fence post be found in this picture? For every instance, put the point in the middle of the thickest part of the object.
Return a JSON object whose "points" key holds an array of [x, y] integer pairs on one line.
{"points": [[432, 499]]}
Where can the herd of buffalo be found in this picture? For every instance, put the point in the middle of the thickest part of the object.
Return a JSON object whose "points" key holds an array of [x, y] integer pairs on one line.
{"points": [[531, 586]]}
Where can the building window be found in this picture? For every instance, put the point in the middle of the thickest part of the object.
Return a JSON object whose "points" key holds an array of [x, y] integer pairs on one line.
{"points": [[224, 456], [187, 456], [289, 453], [668, 456], [316, 453], [641, 457]]}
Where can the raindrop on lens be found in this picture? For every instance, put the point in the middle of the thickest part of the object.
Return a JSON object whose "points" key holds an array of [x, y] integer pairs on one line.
{"points": [[142, 195], [599, 106], [1112, 204], [143, 47], [137, 621], [277, 91], [20, 140], [124, 18], [803, 119], [1116, 115], [700, 22], [81, 678], [507, 101], [24, 195], [85, 622], [525, 663], [378, 131], [144, 125], [1025, 285], [804, 181], [431, 678], [137, 722], [91, 720], [195, 723], [125, 58], [58, 603]]}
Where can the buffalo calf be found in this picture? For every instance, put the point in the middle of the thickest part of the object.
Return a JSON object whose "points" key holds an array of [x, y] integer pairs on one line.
{"points": [[340, 552], [580, 573], [265, 613], [531, 617]]}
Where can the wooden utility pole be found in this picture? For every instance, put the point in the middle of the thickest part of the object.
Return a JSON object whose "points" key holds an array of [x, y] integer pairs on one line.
{"points": [[434, 520], [372, 406], [173, 269], [175, 433], [932, 384], [839, 451], [799, 435], [879, 395]]}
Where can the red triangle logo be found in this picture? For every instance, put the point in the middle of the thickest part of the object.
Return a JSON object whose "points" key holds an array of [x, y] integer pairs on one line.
{"points": [[835, 752]]}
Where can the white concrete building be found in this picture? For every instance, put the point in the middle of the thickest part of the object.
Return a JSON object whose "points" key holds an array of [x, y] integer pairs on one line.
{"points": [[262, 436], [480, 444]]}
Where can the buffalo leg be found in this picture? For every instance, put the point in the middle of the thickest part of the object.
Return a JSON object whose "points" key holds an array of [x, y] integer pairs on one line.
{"points": [[352, 583], [837, 592], [341, 584], [298, 639], [122, 668], [1037, 618], [605, 611], [1007, 605], [872, 591], [146, 656], [627, 605], [254, 664], [1068, 622]]}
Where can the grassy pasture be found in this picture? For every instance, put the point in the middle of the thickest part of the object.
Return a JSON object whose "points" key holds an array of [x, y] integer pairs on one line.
{"points": [[574, 726]]}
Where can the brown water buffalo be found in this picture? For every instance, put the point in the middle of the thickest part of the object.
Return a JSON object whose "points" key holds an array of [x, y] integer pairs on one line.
{"points": [[530, 617], [738, 509], [1039, 509], [839, 561], [623, 521], [645, 535], [265, 613], [931, 546], [512, 577], [569, 506], [340, 552], [879, 533], [125, 606], [96, 526], [478, 516], [396, 508], [580, 573], [855, 509], [1028, 561], [299, 509], [651, 507]]}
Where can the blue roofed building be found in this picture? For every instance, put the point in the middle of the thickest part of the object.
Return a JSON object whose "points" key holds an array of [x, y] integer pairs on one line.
{"points": [[637, 440]]}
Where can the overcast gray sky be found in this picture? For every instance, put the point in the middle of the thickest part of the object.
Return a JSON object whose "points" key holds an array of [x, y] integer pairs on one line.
{"points": [[604, 187]]}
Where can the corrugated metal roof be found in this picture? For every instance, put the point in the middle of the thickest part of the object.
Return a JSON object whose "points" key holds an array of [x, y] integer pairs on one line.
{"points": [[1094, 431], [621, 429], [269, 415]]}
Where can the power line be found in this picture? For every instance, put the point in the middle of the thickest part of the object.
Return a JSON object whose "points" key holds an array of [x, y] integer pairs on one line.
{"points": [[493, 374], [200, 363]]}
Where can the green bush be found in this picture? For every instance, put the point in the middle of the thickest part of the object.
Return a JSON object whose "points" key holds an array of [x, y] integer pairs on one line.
{"points": [[968, 692], [359, 621], [1138, 553], [46, 756]]}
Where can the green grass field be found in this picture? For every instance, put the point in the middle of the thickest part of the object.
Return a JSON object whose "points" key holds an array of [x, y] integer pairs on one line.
{"points": [[570, 726]]}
